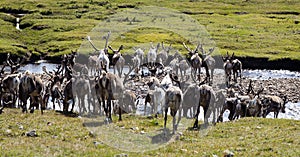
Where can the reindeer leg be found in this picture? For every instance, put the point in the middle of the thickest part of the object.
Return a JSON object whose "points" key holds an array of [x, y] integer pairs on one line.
{"points": [[174, 124], [40, 99], [196, 117], [120, 112], [109, 106], [212, 74], [73, 104], [179, 117], [165, 118]]}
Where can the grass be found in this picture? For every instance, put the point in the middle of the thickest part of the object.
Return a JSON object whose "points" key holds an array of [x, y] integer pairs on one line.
{"points": [[249, 28], [59, 135]]}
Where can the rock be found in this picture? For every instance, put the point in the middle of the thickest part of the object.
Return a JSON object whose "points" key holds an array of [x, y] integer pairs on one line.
{"points": [[31, 133], [180, 133], [8, 132], [228, 153], [184, 150], [92, 134], [135, 128], [21, 127], [97, 143]]}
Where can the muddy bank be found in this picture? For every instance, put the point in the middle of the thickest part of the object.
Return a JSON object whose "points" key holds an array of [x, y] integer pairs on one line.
{"points": [[264, 63]]}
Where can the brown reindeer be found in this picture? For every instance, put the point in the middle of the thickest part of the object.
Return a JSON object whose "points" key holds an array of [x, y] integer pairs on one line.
{"points": [[272, 103], [10, 85], [53, 86], [208, 62], [118, 60], [109, 87], [191, 99], [195, 61], [207, 101], [82, 90], [68, 96], [31, 86]]}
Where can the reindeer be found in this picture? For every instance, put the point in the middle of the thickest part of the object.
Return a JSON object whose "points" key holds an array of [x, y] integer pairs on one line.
{"points": [[54, 86], [82, 89], [272, 103], [14, 65], [118, 60], [139, 53], [103, 60], [227, 68], [191, 99], [195, 60], [254, 106], [155, 97], [10, 85], [174, 65], [162, 56], [207, 101], [208, 62], [68, 95], [109, 87], [234, 66], [31, 87], [152, 55], [220, 100], [183, 67], [237, 69], [173, 100], [92, 63]]}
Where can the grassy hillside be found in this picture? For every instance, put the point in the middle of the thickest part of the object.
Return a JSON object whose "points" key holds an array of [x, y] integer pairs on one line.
{"points": [[58, 135], [248, 28]]}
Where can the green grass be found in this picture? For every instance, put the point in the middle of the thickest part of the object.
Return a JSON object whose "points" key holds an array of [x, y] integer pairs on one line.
{"points": [[249, 28], [59, 135]]}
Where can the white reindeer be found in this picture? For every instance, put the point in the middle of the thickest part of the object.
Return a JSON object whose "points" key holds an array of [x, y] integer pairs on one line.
{"points": [[152, 54], [139, 53], [103, 60], [162, 56]]}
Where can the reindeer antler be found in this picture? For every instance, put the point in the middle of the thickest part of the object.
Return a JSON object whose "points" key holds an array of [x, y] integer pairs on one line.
{"points": [[89, 39], [46, 71], [131, 68], [187, 48], [115, 51], [106, 40]]}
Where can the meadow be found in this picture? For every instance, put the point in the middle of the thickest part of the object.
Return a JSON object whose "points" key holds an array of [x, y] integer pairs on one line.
{"points": [[60, 135], [254, 28]]}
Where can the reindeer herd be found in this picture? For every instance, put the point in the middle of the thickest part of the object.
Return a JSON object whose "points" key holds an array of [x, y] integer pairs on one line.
{"points": [[151, 79]]}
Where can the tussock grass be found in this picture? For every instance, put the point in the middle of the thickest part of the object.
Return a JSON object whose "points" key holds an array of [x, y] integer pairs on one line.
{"points": [[59, 135]]}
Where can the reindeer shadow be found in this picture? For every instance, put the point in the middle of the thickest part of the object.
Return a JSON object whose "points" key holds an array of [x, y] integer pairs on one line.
{"points": [[94, 124], [68, 114], [164, 137], [200, 127]]}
